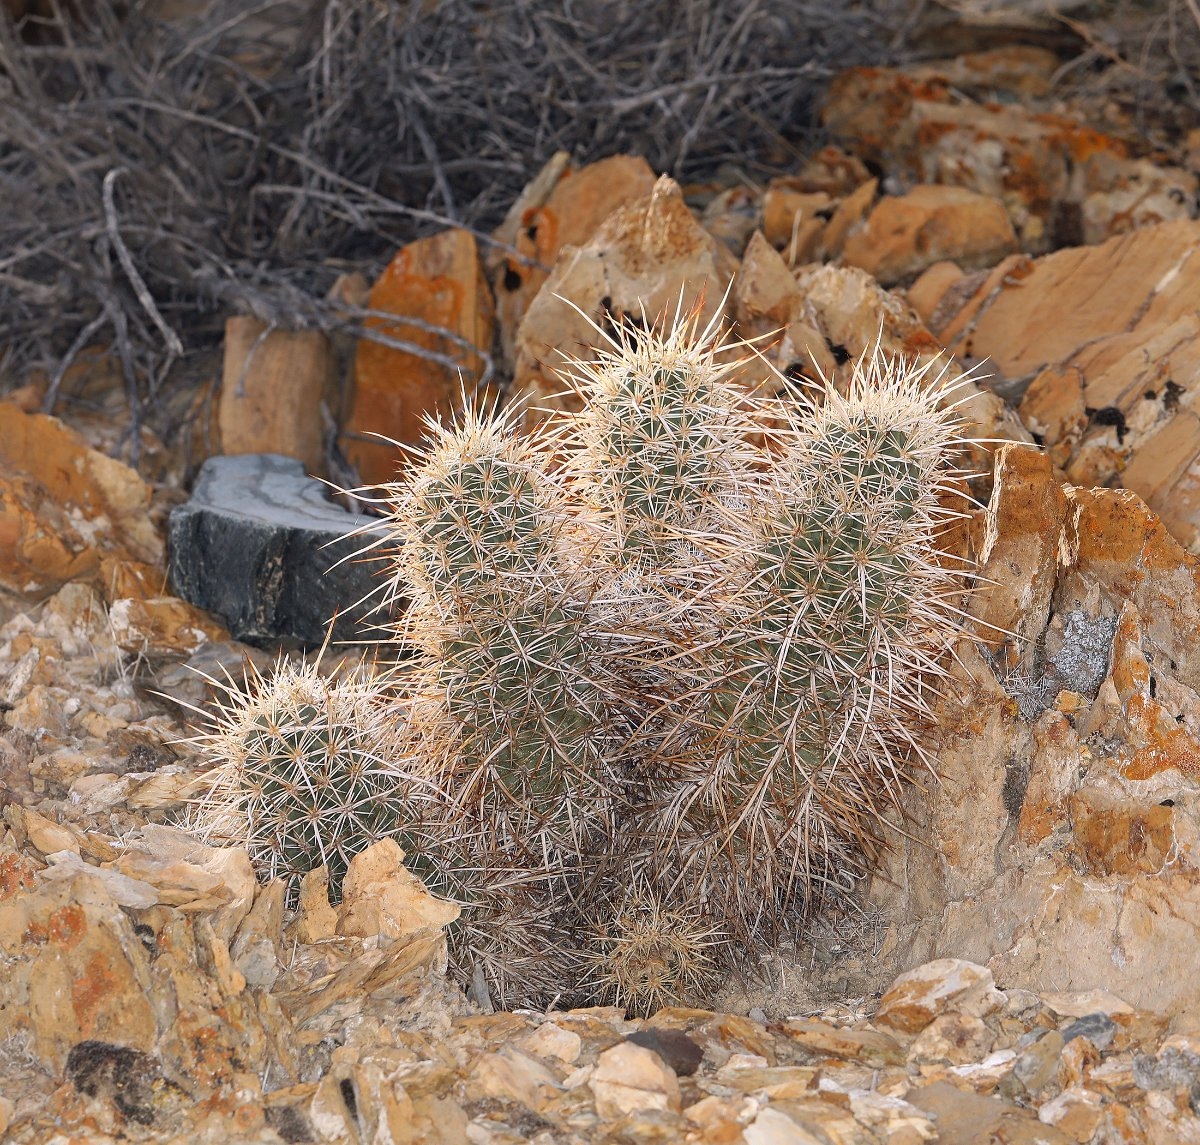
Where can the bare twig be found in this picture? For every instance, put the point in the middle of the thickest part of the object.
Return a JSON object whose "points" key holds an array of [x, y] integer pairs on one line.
{"points": [[160, 174], [135, 279]]}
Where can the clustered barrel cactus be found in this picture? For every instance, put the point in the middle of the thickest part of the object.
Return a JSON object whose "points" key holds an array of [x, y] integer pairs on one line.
{"points": [[670, 658]]}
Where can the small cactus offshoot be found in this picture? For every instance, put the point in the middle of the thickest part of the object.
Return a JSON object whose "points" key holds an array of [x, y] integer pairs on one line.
{"points": [[302, 774]]}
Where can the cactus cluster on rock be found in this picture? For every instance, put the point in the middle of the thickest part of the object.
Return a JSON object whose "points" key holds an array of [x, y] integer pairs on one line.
{"points": [[670, 658]]}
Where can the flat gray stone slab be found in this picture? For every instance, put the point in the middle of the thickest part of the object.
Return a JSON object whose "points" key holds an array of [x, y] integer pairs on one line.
{"points": [[261, 545]]}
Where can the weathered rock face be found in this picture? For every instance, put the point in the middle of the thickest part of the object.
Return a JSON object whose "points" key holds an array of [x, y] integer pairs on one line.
{"points": [[1108, 376], [261, 546], [65, 507], [1062, 183], [644, 261], [1063, 833], [437, 289]]}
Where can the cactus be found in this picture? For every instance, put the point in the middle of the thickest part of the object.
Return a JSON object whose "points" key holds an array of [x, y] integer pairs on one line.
{"points": [[642, 953], [825, 675], [674, 655], [303, 773], [493, 564]]}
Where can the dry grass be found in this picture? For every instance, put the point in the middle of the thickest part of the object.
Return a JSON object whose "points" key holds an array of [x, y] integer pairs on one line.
{"points": [[160, 174]]}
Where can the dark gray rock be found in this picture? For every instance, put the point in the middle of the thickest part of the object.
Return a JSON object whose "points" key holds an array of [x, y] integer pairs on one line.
{"points": [[1099, 1029], [680, 1052], [261, 545]]}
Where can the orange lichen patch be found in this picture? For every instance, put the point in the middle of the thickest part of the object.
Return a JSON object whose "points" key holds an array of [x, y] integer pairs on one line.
{"points": [[931, 131], [1114, 527], [1130, 669], [438, 282], [91, 990], [920, 342], [1163, 747], [1052, 773], [1025, 176], [1113, 839], [66, 925], [1080, 143], [17, 874], [209, 1059]]}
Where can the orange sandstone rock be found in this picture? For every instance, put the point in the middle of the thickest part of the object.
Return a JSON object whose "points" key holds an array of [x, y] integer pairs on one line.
{"points": [[438, 283]]}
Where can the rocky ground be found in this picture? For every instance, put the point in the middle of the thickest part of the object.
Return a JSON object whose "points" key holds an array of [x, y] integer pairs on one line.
{"points": [[1023, 968]]}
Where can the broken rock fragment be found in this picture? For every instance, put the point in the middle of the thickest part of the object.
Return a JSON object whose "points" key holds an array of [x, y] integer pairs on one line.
{"points": [[443, 320], [904, 234], [644, 262], [260, 545]]}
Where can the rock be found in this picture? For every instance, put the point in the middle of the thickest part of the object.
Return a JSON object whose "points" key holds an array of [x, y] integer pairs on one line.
{"points": [[871, 1047], [64, 505], [550, 1040], [261, 546], [1059, 180], [561, 207], [963, 1118], [1020, 552], [1107, 371], [732, 217], [124, 891], [954, 1039], [192, 876], [1115, 836], [40, 546], [1080, 1004], [645, 262], [769, 305], [630, 1078], [315, 919], [675, 1048], [774, 1127], [848, 216], [793, 219], [1075, 1112], [1038, 1065], [186, 684], [1098, 1028], [437, 289], [1080, 797], [272, 387], [854, 313], [161, 627], [904, 234], [76, 969], [1020, 69], [509, 1075], [380, 897], [919, 996], [937, 293]]}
